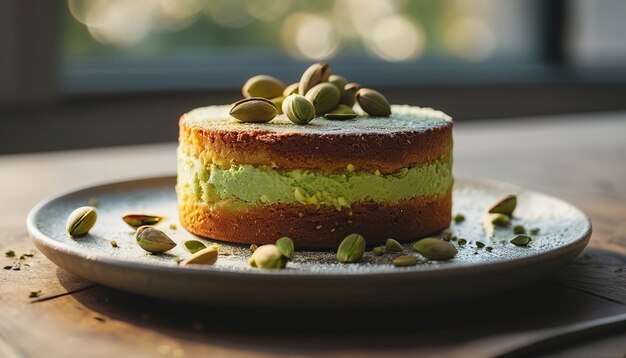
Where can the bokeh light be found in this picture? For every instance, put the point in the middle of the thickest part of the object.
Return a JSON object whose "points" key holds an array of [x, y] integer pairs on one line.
{"points": [[310, 36], [470, 38], [396, 38], [391, 30]]}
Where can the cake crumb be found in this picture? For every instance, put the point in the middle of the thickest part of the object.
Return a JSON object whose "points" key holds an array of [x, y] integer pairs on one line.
{"points": [[318, 227]]}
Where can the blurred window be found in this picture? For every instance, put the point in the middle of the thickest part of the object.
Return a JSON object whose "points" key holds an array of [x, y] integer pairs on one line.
{"points": [[113, 45], [598, 33]]}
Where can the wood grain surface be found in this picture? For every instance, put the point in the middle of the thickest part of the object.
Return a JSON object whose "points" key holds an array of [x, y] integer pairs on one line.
{"points": [[579, 311]]}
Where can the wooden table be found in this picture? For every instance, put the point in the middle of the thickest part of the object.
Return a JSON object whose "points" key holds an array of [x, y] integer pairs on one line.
{"points": [[578, 158]]}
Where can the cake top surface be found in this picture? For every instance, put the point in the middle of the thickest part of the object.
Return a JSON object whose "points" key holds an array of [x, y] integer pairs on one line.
{"points": [[403, 118]]}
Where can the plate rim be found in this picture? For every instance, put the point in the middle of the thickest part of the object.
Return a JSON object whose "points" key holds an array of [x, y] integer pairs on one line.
{"points": [[39, 238]]}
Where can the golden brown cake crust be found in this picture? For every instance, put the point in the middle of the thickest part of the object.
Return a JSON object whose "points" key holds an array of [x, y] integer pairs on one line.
{"points": [[387, 153], [324, 227]]}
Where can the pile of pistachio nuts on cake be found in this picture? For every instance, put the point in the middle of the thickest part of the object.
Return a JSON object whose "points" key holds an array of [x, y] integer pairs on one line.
{"points": [[317, 94]]}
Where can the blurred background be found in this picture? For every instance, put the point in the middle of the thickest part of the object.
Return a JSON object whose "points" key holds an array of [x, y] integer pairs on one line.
{"points": [[90, 73]]}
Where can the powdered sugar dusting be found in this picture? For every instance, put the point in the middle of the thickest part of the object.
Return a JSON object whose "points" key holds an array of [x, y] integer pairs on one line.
{"points": [[403, 118]]}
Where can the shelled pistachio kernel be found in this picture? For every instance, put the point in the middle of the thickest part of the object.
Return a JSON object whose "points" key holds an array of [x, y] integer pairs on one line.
{"points": [[349, 94], [435, 249], [194, 246], [298, 109], [499, 219], [324, 97], [392, 245], [286, 247], [351, 248], [505, 206], [405, 260], [315, 74], [378, 250], [339, 81], [341, 112], [291, 89], [81, 220], [206, 256], [446, 235], [267, 257], [153, 240], [278, 103], [480, 244], [137, 220], [373, 102], [263, 86], [521, 240], [462, 242], [253, 110], [519, 229], [459, 218], [535, 231]]}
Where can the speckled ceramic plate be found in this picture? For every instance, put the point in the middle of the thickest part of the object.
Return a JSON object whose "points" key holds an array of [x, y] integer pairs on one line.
{"points": [[312, 278]]}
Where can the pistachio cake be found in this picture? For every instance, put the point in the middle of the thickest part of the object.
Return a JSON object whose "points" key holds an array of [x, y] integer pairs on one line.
{"points": [[256, 182]]}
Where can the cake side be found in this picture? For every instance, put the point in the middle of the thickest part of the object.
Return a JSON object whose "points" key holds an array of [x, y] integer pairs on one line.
{"points": [[310, 226], [253, 183], [410, 136]]}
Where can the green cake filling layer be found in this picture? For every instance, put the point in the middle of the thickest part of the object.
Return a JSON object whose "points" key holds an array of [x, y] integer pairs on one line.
{"points": [[264, 185]]}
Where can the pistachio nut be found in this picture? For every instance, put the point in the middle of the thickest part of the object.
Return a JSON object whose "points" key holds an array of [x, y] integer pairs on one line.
{"points": [[446, 235], [291, 89], [341, 112], [480, 244], [81, 221], [339, 82], [349, 94], [459, 218], [519, 229], [298, 109], [153, 240], [392, 245], [351, 249], [535, 231], [521, 240], [315, 74], [435, 249], [206, 256], [194, 246], [405, 260], [254, 110], [378, 250], [373, 102], [286, 247], [499, 219], [504, 206], [263, 86], [137, 220], [324, 97], [490, 221], [268, 257], [278, 103]]}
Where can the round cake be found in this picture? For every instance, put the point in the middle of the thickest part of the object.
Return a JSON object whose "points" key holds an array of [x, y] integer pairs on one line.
{"points": [[253, 183]]}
